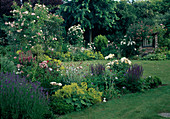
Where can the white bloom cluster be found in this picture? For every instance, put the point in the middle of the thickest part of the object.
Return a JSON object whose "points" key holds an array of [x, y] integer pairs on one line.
{"points": [[122, 60], [130, 42], [125, 60], [56, 84], [76, 31], [110, 56]]}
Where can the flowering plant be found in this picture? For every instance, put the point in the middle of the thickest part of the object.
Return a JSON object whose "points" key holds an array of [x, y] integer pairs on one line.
{"points": [[110, 56], [75, 35], [119, 65], [33, 25], [27, 99]]}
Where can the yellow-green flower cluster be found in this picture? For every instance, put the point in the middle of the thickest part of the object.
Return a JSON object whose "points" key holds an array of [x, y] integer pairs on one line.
{"points": [[82, 92]]}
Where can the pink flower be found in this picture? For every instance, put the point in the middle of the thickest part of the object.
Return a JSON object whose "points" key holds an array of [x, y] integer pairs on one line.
{"points": [[18, 66], [161, 24], [21, 71], [15, 57], [39, 33], [28, 75]]}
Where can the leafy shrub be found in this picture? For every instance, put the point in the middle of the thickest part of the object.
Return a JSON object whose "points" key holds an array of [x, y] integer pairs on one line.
{"points": [[60, 106], [6, 65], [159, 56], [21, 99], [139, 31], [119, 65], [133, 77], [33, 25], [100, 42], [37, 50], [168, 55], [111, 48], [75, 35], [152, 82], [79, 96], [128, 47]]}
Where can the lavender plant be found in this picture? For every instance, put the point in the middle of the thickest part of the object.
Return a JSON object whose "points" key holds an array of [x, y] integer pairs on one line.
{"points": [[21, 99]]}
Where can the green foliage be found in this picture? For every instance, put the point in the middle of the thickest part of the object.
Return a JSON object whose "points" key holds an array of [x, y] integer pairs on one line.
{"points": [[111, 48], [127, 14], [158, 56], [37, 50], [138, 32], [100, 42], [160, 29], [32, 26], [86, 12], [152, 82], [79, 96], [6, 65], [75, 35], [60, 106], [128, 47]]}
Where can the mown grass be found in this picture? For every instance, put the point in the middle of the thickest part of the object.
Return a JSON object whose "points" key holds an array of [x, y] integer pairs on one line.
{"points": [[145, 105]]}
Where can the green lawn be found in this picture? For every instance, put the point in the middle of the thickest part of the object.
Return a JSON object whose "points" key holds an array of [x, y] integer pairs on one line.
{"points": [[145, 105]]}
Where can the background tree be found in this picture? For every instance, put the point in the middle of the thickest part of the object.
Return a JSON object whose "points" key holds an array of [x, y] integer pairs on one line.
{"points": [[91, 14]]}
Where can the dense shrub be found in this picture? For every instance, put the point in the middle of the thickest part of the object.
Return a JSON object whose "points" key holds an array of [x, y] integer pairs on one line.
{"points": [[159, 56], [138, 32], [75, 35], [6, 65], [31, 26], [152, 82], [79, 96], [21, 99], [60, 106], [100, 42]]}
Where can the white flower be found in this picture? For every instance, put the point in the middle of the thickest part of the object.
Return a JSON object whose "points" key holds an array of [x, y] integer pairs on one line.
{"points": [[116, 78], [32, 13], [55, 84], [19, 30], [18, 72], [59, 84], [38, 17], [104, 99], [50, 69], [26, 12], [108, 67]]}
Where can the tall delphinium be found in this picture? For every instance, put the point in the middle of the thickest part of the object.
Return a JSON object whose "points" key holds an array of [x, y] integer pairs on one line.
{"points": [[21, 99], [97, 69], [133, 77]]}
